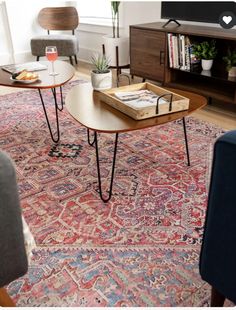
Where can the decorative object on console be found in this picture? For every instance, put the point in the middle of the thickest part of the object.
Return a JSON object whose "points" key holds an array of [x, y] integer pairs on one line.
{"points": [[101, 76], [206, 51], [230, 61], [112, 43]]}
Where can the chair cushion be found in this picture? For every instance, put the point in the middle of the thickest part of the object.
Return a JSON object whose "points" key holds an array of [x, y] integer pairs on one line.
{"points": [[67, 45]]}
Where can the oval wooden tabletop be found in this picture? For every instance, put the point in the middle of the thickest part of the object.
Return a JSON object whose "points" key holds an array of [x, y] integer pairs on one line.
{"points": [[85, 106], [65, 72]]}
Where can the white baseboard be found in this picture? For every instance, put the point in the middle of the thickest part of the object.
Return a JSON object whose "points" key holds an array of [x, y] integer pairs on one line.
{"points": [[83, 55], [5, 59], [26, 56]]}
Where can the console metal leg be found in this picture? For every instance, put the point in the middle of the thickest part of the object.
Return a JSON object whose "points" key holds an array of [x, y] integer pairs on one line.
{"points": [[88, 136], [98, 168], [186, 141], [56, 139]]}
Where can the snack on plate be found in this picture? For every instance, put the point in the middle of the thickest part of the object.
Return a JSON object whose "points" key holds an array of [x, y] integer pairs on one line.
{"points": [[25, 75]]}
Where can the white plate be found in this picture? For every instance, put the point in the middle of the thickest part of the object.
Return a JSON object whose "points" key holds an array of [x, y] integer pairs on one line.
{"points": [[25, 81]]}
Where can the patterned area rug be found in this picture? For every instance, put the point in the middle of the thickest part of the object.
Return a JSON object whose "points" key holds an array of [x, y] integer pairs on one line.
{"points": [[141, 248]]}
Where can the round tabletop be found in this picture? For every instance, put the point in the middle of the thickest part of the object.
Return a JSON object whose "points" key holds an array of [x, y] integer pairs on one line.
{"points": [[84, 105], [65, 72]]}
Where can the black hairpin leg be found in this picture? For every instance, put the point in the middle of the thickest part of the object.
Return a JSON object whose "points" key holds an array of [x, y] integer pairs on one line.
{"points": [[46, 115], [89, 142], [54, 95], [186, 141], [98, 168]]}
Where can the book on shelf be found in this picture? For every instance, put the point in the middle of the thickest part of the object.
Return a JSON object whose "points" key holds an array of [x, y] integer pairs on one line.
{"points": [[181, 55], [140, 98], [170, 49], [29, 66]]}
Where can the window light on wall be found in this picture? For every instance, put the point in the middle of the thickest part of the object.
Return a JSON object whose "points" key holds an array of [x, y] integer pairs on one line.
{"points": [[94, 12]]}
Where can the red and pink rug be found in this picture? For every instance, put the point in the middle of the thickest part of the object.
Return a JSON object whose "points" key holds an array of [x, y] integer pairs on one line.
{"points": [[141, 248]]}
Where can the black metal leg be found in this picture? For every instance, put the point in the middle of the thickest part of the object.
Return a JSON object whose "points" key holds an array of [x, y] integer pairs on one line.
{"points": [[71, 60], [98, 168], [186, 141], [55, 98], [76, 61], [90, 143], [37, 58], [57, 121], [118, 78]]}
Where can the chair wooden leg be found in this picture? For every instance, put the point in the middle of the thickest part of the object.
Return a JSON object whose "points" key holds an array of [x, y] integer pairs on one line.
{"points": [[217, 299], [37, 58], [5, 299], [76, 61], [71, 60]]}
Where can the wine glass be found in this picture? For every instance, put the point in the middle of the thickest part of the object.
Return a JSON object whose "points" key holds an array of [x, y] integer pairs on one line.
{"points": [[51, 54]]}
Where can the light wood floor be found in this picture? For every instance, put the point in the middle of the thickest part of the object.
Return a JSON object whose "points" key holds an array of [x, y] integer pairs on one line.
{"points": [[218, 113]]}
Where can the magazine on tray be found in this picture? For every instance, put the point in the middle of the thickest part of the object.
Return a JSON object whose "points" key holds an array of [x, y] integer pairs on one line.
{"points": [[29, 66], [140, 98]]}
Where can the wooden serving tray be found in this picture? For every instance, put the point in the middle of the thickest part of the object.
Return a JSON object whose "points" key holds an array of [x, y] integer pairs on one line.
{"points": [[174, 102]]}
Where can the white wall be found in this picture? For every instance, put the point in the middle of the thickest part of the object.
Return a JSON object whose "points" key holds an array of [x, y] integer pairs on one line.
{"points": [[132, 12], [6, 49]]}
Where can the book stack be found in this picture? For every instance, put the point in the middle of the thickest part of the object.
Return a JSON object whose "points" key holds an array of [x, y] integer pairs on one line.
{"points": [[180, 50]]}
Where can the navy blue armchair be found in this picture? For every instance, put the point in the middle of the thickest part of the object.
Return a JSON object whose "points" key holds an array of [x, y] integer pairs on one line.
{"points": [[218, 253]]}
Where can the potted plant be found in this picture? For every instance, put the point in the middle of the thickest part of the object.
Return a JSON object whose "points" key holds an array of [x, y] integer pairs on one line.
{"points": [[230, 60], [206, 51], [114, 40], [101, 76]]}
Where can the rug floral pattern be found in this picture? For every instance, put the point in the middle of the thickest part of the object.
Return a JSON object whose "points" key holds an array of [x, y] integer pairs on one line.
{"points": [[139, 249]]}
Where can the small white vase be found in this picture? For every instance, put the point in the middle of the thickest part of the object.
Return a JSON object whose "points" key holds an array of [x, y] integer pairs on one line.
{"points": [[207, 64], [232, 72], [110, 44], [101, 81]]}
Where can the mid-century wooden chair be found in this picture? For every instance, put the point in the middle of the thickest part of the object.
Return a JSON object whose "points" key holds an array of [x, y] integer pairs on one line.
{"points": [[13, 258], [59, 19]]}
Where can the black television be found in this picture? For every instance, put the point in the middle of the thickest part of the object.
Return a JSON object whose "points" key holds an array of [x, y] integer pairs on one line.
{"points": [[198, 11]]}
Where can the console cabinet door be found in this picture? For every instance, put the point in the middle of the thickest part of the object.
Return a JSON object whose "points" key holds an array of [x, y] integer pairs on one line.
{"points": [[147, 53]]}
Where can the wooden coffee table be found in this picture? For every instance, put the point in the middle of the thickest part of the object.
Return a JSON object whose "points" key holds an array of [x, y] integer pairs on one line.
{"points": [[65, 73], [85, 106]]}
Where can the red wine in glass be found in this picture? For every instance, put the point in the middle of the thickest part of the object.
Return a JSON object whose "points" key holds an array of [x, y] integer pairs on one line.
{"points": [[51, 54]]}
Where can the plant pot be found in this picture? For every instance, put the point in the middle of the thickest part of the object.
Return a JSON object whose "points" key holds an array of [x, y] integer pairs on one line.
{"points": [[206, 72], [123, 50], [101, 81], [207, 64], [232, 72]]}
